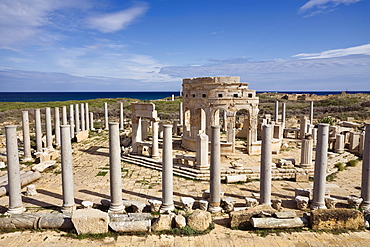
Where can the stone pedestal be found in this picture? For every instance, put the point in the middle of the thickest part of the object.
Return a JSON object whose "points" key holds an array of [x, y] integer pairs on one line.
{"points": [[266, 162], [105, 116], [339, 144], [67, 169], [215, 171], [57, 126], [306, 152], [321, 162], [116, 205], [26, 136], [365, 182], [14, 181], [49, 136], [38, 130], [167, 170]]}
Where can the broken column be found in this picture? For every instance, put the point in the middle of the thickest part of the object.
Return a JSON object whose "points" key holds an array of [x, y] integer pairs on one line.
{"points": [[38, 130], [202, 152], [121, 119], [339, 144], [71, 120], [67, 169], [26, 136], [87, 116], [105, 116], [49, 136], [167, 170], [82, 115], [56, 126], [77, 118], [215, 171], [116, 205], [303, 127], [64, 115], [306, 152], [266, 162], [14, 181], [155, 148], [321, 161], [365, 182]]}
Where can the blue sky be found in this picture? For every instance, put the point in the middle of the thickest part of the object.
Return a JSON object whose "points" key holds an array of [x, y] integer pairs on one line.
{"points": [[106, 45]]}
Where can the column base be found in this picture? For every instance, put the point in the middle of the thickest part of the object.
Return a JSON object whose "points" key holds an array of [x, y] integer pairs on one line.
{"points": [[17, 210], [214, 209], [116, 209], [28, 159], [68, 209], [166, 208], [316, 206]]}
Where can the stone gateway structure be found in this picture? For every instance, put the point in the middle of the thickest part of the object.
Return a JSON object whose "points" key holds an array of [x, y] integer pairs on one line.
{"points": [[209, 101]]}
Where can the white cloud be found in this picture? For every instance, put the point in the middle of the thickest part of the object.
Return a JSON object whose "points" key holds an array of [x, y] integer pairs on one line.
{"points": [[321, 6], [113, 22], [356, 50]]}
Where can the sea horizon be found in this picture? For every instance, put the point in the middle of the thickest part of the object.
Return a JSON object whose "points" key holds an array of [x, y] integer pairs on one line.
{"points": [[141, 95]]}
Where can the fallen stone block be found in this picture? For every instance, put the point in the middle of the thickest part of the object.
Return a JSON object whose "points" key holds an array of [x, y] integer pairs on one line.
{"points": [[339, 218], [200, 220], [241, 219], [236, 178], [163, 222], [279, 223], [155, 205], [90, 221], [187, 203], [203, 205], [276, 204], [330, 202], [82, 136], [180, 221], [228, 204], [354, 201], [285, 215], [43, 166], [251, 202], [31, 190], [131, 226], [302, 202]]}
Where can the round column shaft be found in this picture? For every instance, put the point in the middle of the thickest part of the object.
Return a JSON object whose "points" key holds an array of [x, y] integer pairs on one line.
{"points": [[276, 111], [14, 181], [38, 130], [64, 115], [215, 171], [266, 161], [67, 168], [49, 136], [82, 114], [77, 118], [92, 121], [57, 126], [72, 120], [321, 162], [121, 119], [365, 182], [26, 136], [115, 169], [155, 149], [167, 170], [87, 116], [106, 116]]}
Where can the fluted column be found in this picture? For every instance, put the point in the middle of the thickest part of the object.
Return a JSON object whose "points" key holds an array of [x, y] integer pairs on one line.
{"points": [[14, 180], [167, 170], [38, 130], [306, 152], [321, 162], [116, 204], [215, 171], [67, 169], [26, 136], [266, 161]]}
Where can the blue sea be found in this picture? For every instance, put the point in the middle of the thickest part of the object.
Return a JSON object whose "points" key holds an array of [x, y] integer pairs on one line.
{"points": [[65, 96]]}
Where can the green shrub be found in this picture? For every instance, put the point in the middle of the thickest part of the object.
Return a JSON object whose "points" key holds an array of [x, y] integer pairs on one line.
{"points": [[352, 163], [340, 166]]}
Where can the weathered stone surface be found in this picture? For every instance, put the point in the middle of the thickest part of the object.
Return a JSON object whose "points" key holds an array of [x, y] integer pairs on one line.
{"points": [[276, 204], [279, 223], [180, 221], [251, 202], [228, 204], [163, 222], [155, 205], [241, 219], [203, 205], [285, 215], [90, 221], [340, 218], [82, 136], [330, 202], [200, 220], [31, 190], [187, 203], [43, 166], [87, 204], [302, 202], [236, 178], [302, 177], [131, 226], [354, 201]]}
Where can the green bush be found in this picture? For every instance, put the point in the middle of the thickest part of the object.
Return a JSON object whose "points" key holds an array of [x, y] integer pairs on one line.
{"points": [[340, 166], [352, 163]]}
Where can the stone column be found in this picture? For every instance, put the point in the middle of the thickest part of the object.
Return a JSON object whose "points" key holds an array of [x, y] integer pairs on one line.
{"points": [[77, 118], [303, 127], [161, 129], [144, 129], [276, 112], [38, 130], [26, 136], [314, 135], [306, 152], [92, 121], [67, 169], [57, 126], [167, 170], [321, 162], [365, 182], [71, 120], [175, 123], [155, 149], [339, 144], [64, 115], [224, 119], [105, 116], [14, 180], [49, 135], [215, 171], [202, 152], [283, 115], [121, 119], [311, 112], [230, 135], [87, 116], [266, 161], [136, 133], [116, 205], [181, 113], [82, 114]]}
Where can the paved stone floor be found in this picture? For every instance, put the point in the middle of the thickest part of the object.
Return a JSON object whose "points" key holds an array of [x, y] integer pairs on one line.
{"points": [[91, 179]]}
